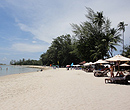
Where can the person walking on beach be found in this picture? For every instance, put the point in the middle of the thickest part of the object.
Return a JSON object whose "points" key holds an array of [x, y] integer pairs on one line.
{"points": [[111, 71]]}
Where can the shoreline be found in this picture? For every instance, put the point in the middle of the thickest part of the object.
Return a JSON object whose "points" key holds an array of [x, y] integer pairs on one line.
{"points": [[10, 71], [39, 67]]}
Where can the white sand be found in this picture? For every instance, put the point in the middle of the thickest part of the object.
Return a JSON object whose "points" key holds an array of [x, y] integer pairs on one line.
{"points": [[61, 90]]}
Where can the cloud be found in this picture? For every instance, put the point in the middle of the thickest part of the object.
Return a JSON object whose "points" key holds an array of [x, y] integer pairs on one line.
{"points": [[46, 19], [4, 59], [21, 47], [34, 42]]}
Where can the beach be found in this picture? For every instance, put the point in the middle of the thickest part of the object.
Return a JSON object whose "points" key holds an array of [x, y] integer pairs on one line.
{"points": [[61, 89]]}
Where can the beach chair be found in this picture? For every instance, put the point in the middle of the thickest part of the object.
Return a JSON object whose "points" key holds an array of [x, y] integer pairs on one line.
{"points": [[100, 73], [118, 80]]}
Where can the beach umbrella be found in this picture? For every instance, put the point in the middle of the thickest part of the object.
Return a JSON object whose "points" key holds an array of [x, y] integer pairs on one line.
{"points": [[86, 64], [91, 63], [101, 61], [72, 64], [67, 65], [118, 58], [83, 62], [76, 65], [124, 64]]}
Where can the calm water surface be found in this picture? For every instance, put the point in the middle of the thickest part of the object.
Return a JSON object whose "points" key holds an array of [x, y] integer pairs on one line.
{"points": [[9, 69]]}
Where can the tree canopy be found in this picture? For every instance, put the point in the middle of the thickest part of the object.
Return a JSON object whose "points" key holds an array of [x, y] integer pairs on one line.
{"points": [[126, 52], [95, 38], [25, 62], [60, 52]]}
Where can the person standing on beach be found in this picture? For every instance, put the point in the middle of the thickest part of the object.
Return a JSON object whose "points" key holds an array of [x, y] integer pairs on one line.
{"points": [[111, 71]]}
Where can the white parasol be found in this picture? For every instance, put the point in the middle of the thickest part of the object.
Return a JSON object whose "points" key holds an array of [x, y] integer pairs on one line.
{"points": [[118, 58], [101, 61], [87, 64], [124, 64], [77, 65], [91, 63]]}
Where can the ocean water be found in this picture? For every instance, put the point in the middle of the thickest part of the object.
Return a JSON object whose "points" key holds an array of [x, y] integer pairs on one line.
{"points": [[9, 69]]}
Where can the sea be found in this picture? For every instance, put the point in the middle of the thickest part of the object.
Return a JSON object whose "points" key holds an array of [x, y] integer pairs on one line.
{"points": [[11, 69]]}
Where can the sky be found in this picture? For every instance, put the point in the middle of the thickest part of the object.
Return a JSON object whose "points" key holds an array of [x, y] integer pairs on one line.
{"points": [[27, 27]]}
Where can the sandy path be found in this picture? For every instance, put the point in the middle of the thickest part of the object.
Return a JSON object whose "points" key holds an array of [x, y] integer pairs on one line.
{"points": [[61, 90]]}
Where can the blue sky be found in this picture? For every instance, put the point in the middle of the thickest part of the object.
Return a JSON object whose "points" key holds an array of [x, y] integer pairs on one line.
{"points": [[27, 27]]}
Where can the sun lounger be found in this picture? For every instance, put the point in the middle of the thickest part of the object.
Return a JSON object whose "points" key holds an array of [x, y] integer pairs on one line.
{"points": [[99, 73], [119, 80]]}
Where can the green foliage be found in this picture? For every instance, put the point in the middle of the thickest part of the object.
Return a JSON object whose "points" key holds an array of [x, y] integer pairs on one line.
{"points": [[25, 62], [126, 52], [61, 51], [121, 27], [95, 38]]}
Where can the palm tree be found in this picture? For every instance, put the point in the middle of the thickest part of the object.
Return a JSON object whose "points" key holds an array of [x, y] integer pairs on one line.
{"points": [[126, 52], [99, 19], [121, 26], [96, 39], [114, 39]]}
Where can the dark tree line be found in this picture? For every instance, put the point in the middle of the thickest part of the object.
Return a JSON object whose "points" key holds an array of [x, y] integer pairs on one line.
{"points": [[25, 62]]}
